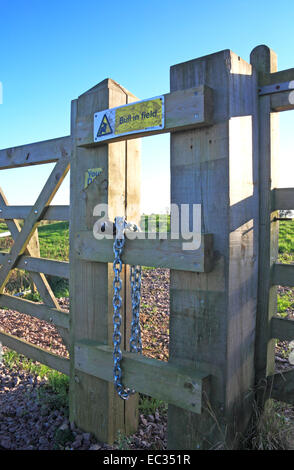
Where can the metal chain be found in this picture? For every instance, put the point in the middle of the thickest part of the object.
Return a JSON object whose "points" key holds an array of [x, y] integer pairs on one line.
{"points": [[135, 277]]}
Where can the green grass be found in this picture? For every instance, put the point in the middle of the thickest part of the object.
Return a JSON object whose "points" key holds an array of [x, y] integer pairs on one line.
{"points": [[54, 241], [57, 384]]}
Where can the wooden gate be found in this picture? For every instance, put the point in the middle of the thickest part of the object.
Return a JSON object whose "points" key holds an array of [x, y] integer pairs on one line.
{"points": [[222, 116]]}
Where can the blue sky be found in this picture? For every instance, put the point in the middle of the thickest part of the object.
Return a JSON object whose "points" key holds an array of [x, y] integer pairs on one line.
{"points": [[52, 51]]}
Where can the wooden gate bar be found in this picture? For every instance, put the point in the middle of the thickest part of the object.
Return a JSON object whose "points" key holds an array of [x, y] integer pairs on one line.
{"points": [[181, 385], [282, 329], [283, 275], [160, 252], [41, 311], [41, 265], [48, 192], [282, 101], [35, 353], [265, 61], [281, 386], [39, 279], [183, 109], [47, 151], [58, 213]]}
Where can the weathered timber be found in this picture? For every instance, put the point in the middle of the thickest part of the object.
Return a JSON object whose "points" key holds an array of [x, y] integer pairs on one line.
{"points": [[283, 275], [58, 213], [212, 315], [283, 199], [94, 403], [147, 251], [47, 151], [283, 101], [282, 329], [281, 386], [20, 244], [57, 317], [180, 385], [183, 109], [275, 78], [264, 60], [35, 353], [41, 265]]}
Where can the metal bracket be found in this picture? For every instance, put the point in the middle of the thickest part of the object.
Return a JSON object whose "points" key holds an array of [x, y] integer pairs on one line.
{"points": [[276, 88]]}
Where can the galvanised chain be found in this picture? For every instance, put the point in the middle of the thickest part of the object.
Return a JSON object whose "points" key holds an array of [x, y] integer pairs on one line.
{"points": [[135, 340]]}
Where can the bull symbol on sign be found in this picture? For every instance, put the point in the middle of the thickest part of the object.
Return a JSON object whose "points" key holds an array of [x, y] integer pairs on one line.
{"points": [[104, 128]]}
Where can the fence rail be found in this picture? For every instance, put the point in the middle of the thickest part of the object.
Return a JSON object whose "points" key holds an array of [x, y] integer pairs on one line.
{"points": [[35, 353], [47, 151]]}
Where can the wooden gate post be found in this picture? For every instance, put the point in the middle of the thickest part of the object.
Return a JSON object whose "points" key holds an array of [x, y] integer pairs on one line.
{"points": [[213, 315], [94, 405], [265, 61]]}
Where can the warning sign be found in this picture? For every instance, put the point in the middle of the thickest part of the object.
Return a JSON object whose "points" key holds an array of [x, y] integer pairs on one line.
{"points": [[146, 115], [104, 128]]}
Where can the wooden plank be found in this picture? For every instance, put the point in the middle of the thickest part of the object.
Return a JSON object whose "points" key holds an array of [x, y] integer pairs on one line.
{"points": [[41, 265], [183, 109], [282, 329], [180, 385], [265, 61], [47, 151], [283, 199], [94, 404], [283, 101], [48, 192], [52, 315], [281, 386], [147, 251], [212, 315], [283, 275], [273, 78], [58, 213], [35, 353]]}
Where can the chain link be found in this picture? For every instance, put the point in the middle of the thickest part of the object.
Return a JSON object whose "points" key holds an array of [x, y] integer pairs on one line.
{"points": [[135, 278]]}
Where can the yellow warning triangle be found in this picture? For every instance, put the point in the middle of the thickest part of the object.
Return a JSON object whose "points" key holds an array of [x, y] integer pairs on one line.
{"points": [[104, 128]]}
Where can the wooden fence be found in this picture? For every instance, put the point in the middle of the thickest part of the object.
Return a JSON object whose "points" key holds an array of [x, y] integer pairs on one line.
{"points": [[222, 115]]}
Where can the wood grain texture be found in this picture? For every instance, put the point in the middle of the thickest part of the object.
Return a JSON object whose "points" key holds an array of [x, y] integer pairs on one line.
{"points": [[47, 151], [58, 213], [281, 386], [180, 385], [20, 244], [183, 109], [282, 275], [41, 265], [212, 315], [282, 101], [52, 315], [94, 404], [282, 329], [35, 353], [264, 60], [163, 253], [273, 77], [283, 199]]}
